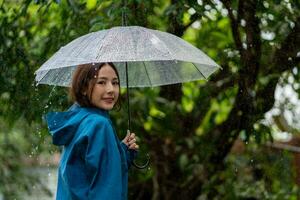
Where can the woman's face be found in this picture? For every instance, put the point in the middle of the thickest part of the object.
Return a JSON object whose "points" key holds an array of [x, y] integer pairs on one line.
{"points": [[106, 90]]}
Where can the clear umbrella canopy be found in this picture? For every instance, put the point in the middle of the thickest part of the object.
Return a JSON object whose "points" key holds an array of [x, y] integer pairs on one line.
{"points": [[153, 57]]}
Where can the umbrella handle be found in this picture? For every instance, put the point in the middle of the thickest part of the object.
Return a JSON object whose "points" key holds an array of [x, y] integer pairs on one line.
{"points": [[142, 166], [137, 165]]}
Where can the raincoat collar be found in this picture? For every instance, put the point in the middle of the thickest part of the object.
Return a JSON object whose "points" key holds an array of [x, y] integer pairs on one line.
{"points": [[100, 111]]}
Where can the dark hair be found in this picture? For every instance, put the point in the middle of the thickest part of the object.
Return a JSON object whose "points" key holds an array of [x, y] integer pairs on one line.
{"points": [[83, 82]]}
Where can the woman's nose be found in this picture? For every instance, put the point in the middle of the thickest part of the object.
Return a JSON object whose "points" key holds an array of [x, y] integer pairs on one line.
{"points": [[109, 88]]}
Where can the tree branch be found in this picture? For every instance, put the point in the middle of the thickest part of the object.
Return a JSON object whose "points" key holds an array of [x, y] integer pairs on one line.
{"points": [[284, 56], [251, 56], [193, 18], [234, 26], [240, 117]]}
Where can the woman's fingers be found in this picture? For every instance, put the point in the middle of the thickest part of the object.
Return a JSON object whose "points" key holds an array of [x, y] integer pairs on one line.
{"points": [[134, 146], [130, 140], [128, 134], [132, 136], [126, 139]]}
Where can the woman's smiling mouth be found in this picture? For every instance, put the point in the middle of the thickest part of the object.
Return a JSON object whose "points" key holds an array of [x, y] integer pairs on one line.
{"points": [[108, 100]]}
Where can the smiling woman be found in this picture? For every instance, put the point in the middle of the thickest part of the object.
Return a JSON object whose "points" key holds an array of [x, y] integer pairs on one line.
{"points": [[105, 92], [94, 163], [89, 78]]}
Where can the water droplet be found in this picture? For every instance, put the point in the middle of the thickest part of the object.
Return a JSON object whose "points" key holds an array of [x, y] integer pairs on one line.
{"points": [[49, 174]]}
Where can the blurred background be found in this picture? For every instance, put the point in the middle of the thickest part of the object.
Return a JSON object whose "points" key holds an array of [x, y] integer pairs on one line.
{"points": [[235, 136]]}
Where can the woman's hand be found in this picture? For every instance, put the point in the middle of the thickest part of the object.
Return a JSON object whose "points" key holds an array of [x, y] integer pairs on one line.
{"points": [[130, 141]]}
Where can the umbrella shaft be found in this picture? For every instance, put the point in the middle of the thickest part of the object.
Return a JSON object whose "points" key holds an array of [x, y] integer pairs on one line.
{"points": [[124, 16], [124, 23], [127, 94]]}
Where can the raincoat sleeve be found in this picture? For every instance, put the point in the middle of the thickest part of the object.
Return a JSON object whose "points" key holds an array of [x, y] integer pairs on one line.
{"points": [[103, 162], [130, 154]]}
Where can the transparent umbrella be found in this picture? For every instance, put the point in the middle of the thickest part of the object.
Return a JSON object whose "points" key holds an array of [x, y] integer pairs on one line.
{"points": [[143, 57], [154, 58]]}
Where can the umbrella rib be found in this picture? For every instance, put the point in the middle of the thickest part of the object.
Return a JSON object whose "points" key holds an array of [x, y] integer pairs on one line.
{"points": [[147, 73], [199, 71], [84, 43], [103, 39], [165, 46], [41, 79]]}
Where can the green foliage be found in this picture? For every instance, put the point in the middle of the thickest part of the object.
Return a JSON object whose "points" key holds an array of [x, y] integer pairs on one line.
{"points": [[250, 175], [16, 153]]}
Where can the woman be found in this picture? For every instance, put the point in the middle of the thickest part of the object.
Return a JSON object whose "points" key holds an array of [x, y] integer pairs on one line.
{"points": [[94, 163]]}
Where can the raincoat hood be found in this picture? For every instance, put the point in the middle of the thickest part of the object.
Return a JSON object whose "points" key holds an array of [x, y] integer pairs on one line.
{"points": [[63, 125]]}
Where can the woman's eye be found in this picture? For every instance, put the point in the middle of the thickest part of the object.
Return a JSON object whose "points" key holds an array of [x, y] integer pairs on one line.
{"points": [[116, 83], [101, 82]]}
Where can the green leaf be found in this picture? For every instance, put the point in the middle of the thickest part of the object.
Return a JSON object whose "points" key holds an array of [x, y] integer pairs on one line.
{"points": [[91, 4], [183, 161]]}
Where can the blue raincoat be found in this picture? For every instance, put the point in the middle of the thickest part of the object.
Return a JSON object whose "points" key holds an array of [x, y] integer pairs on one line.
{"points": [[94, 163]]}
